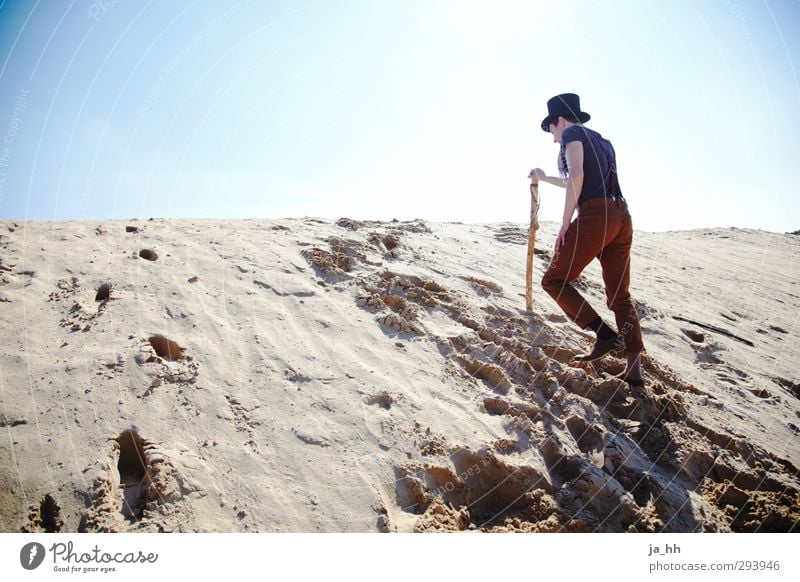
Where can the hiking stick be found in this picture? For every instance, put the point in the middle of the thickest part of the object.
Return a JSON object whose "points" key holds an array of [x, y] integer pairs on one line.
{"points": [[531, 244]]}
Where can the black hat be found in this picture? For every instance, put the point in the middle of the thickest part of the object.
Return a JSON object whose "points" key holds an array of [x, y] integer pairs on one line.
{"points": [[565, 105]]}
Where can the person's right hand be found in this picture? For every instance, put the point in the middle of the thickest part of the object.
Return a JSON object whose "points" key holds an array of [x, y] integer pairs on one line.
{"points": [[537, 174], [562, 236]]}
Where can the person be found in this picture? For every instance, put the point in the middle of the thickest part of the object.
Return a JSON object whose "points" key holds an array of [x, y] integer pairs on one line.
{"points": [[602, 230]]}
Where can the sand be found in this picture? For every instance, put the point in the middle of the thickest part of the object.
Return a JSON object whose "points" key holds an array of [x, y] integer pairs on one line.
{"points": [[307, 375]]}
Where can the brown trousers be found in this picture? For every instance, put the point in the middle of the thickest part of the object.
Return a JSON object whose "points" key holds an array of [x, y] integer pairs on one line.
{"points": [[603, 230]]}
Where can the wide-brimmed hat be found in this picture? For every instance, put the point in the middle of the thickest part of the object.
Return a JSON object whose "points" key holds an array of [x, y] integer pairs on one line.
{"points": [[565, 105]]}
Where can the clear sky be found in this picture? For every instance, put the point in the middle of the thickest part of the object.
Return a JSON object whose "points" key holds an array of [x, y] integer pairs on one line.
{"points": [[388, 109]]}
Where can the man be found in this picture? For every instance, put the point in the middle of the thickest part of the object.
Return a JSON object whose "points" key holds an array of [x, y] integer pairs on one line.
{"points": [[603, 229]]}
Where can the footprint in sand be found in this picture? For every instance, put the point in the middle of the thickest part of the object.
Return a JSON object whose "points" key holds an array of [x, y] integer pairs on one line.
{"points": [[792, 387], [695, 336], [148, 254], [166, 348], [82, 314], [493, 376], [477, 491], [121, 487], [244, 421], [165, 361], [44, 517], [501, 407], [11, 421], [310, 439], [383, 399], [589, 439], [516, 236], [134, 480], [103, 292], [760, 392], [562, 355], [135, 487], [484, 288], [387, 244]]}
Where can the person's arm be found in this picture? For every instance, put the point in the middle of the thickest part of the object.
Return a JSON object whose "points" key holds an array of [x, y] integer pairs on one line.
{"points": [[575, 179], [538, 175], [574, 155]]}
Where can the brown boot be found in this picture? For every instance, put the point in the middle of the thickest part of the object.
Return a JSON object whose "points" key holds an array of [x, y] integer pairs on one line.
{"points": [[633, 382], [601, 348]]}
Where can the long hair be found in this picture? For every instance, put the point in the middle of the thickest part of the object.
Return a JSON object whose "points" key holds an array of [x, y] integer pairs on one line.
{"points": [[563, 170]]}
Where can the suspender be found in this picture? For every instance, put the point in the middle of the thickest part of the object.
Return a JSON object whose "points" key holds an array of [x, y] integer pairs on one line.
{"points": [[611, 160], [613, 183]]}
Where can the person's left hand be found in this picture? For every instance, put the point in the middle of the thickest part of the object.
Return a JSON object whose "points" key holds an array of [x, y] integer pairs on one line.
{"points": [[562, 235]]}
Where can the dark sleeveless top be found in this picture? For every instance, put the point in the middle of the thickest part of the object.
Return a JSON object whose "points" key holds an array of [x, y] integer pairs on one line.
{"points": [[599, 164]]}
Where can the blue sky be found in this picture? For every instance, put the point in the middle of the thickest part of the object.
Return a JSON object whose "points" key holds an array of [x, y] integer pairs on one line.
{"points": [[383, 109]]}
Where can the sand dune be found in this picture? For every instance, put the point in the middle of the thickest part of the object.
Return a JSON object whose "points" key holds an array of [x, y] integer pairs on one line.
{"points": [[306, 375]]}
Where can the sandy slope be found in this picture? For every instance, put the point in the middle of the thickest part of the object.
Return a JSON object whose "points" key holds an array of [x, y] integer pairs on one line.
{"points": [[304, 375]]}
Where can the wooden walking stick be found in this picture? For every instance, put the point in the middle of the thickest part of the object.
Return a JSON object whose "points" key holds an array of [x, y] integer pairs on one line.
{"points": [[531, 244]]}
